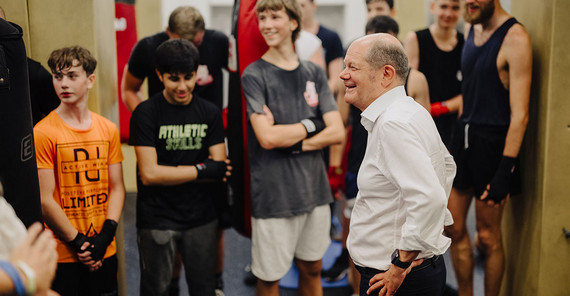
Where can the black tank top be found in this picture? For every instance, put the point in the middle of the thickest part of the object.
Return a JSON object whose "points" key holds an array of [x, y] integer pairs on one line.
{"points": [[443, 73], [485, 99], [441, 68]]}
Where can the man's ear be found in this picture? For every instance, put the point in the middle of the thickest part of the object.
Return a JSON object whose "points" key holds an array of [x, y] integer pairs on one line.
{"points": [[159, 75], [388, 75], [171, 35]]}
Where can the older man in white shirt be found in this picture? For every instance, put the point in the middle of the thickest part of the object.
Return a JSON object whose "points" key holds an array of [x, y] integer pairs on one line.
{"points": [[396, 233]]}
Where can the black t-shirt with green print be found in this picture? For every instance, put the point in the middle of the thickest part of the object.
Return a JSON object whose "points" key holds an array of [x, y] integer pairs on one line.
{"points": [[181, 135]]}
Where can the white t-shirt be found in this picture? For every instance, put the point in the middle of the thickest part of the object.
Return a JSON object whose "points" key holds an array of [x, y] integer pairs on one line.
{"points": [[306, 45]]}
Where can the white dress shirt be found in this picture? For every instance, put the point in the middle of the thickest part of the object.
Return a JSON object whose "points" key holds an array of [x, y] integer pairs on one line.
{"points": [[404, 183]]}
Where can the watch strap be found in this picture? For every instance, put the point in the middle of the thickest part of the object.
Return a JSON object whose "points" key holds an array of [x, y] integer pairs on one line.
{"points": [[396, 260]]}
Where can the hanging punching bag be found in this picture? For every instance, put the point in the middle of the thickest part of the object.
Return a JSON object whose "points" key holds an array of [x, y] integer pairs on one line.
{"points": [[18, 170], [246, 46]]}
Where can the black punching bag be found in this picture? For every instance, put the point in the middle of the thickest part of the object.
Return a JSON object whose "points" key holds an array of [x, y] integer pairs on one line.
{"points": [[18, 170]]}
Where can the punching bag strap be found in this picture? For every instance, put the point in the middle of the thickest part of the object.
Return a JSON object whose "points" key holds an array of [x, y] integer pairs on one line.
{"points": [[4, 71], [8, 31]]}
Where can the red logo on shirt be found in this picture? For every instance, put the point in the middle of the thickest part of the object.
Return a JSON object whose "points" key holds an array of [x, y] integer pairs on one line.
{"points": [[311, 95]]}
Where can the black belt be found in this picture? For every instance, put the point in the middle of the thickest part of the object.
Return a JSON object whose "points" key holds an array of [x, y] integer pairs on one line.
{"points": [[426, 263]]}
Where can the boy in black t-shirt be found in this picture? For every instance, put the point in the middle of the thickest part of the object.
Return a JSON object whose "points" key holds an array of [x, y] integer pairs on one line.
{"points": [[178, 139]]}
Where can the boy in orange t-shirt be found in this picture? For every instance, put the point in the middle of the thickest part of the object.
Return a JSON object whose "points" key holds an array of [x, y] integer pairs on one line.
{"points": [[81, 180]]}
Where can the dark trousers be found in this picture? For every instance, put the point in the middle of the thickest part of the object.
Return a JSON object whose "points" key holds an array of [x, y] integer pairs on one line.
{"points": [[74, 279], [197, 247], [424, 280]]}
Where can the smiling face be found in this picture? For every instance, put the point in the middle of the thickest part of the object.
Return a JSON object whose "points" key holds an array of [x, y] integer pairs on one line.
{"points": [[375, 8], [178, 87], [361, 80], [72, 84], [478, 11], [446, 12], [276, 27]]}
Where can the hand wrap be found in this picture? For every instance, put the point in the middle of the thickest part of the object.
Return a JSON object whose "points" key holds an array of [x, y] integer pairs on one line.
{"points": [[313, 126], [438, 109], [211, 169], [501, 182], [336, 179], [296, 148], [100, 242], [77, 242]]}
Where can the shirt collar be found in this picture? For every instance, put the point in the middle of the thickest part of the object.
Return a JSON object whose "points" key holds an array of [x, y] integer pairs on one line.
{"points": [[377, 107]]}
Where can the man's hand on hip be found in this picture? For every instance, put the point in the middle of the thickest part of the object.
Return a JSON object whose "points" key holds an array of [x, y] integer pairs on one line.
{"points": [[390, 281]]}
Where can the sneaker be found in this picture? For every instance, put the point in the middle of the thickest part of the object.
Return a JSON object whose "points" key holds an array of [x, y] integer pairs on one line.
{"points": [[174, 287], [219, 282], [249, 279], [339, 268], [219, 292]]}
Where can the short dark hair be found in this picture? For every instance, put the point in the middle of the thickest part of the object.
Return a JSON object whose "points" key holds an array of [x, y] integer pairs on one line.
{"points": [[390, 2], [186, 22], [382, 53], [291, 7], [382, 24], [63, 58], [177, 56]]}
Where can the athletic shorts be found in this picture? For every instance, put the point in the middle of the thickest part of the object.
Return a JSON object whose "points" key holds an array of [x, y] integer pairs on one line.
{"points": [[477, 151], [276, 241]]}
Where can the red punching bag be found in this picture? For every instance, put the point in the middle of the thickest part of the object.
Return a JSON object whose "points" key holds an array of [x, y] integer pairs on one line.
{"points": [[126, 34], [246, 46]]}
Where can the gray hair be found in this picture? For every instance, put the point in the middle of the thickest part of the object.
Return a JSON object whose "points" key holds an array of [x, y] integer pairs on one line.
{"points": [[382, 53]]}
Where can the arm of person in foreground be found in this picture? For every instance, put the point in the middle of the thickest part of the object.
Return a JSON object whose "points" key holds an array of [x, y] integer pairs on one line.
{"points": [[271, 135], [38, 252], [58, 222], [101, 241], [332, 134], [152, 173], [518, 54]]}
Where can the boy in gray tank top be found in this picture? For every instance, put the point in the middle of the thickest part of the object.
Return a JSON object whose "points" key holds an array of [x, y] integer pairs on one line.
{"points": [[292, 116]]}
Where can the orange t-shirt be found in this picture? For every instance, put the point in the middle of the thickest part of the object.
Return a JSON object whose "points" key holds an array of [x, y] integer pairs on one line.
{"points": [[80, 160]]}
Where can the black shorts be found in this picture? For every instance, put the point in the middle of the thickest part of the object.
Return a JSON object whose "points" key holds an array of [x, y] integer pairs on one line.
{"points": [[76, 279], [477, 157]]}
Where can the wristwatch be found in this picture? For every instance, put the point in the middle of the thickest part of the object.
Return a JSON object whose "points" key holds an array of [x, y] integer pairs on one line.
{"points": [[396, 260]]}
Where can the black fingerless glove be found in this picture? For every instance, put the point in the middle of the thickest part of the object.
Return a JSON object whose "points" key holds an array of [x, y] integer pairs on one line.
{"points": [[211, 169], [501, 182], [77, 242], [313, 125], [296, 148], [100, 242]]}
